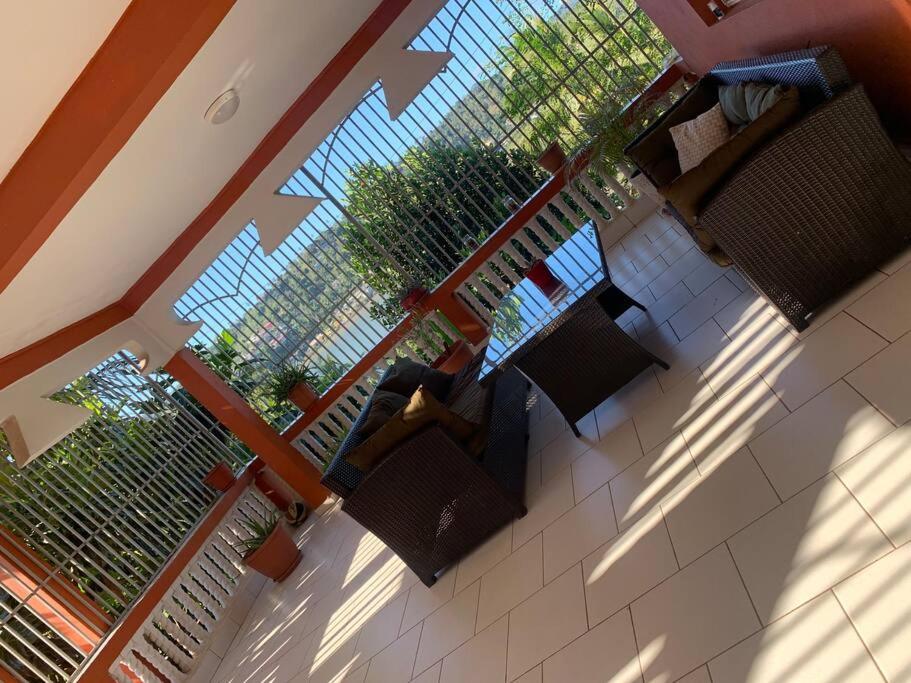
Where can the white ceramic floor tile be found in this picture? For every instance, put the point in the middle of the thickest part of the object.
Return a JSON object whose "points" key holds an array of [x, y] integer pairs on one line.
{"points": [[717, 506], [804, 547], [614, 453], [724, 426], [381, 629], [878, 602], [560, 453], [679, 269], [432, 675], [606, 653], [829, 311], [481, 660], [708, 591], [628, 566], [684, 357], [620, 407], [356, 676], [584, 528], [831, 352], [742, 311], [510, 582], [703, 307], [885, 380], [544, 504], [814, 643], [546, 430], [550, 619], [704, 276], [473, 567], [533, 676], [652, 479], [880, 479], [887, 307], [447, 628], [662, 309], [700, 675], [821, 435], [396, 662], [759, 345], [423, 601], [673, 411]]}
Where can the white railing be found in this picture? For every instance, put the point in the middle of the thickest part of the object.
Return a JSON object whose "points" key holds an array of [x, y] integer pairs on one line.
{"points": [[179, 630]]}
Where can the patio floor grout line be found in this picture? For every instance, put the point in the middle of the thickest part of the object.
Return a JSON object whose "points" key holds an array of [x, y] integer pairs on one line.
{"points": [[859, 636]]}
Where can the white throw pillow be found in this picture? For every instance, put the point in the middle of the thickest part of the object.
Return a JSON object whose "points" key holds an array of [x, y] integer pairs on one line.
{"points": [[698, 138]]}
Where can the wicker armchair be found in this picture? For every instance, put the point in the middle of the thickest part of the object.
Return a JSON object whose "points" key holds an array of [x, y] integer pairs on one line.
{"points": [[430, 501], [815, 209]]}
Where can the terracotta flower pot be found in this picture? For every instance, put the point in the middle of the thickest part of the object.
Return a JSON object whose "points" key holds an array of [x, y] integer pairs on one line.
{"points": [[277, 557], [456, 356], [303, 396], [552, 158], [413, 297], [220, 477], [549, 284]]}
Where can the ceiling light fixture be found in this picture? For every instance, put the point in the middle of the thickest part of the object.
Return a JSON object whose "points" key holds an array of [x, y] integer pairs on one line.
{"points": [[223, 108]]}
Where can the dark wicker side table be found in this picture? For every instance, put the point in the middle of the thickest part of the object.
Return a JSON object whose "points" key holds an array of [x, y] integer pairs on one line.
{"points": [[572, 348]]}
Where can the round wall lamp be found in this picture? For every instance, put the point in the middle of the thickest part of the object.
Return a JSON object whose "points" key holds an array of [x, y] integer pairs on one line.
{"points": [[223, 108]]}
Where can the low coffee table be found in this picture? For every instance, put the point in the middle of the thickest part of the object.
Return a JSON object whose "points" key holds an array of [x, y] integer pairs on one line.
{"points": [[570, 347]]}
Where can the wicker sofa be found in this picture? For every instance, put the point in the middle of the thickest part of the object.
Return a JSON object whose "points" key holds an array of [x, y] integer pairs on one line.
{"points": [[813, 209], [429, 500]]}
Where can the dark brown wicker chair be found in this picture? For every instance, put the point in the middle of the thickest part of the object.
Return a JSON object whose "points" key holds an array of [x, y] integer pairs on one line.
{"points": [[818, 207], [430, 501]]}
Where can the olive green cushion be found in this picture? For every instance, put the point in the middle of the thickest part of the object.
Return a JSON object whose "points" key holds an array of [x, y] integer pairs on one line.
{"points": [[421, 410], [691, 191]]}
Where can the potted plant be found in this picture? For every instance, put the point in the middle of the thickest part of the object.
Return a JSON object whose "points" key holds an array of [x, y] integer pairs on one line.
{"points": [[269, 549], [293, 382], [220, 477], [552, 158], [455, 357]]}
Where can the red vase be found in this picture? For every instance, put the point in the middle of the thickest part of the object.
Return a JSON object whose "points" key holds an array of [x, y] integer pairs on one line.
{"points": [[220, 477], [413, 297], [549, 284]]}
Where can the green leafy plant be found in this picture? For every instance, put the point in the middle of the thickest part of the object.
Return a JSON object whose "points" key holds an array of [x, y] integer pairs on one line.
{"points": [[259, 532], [287, 376]]}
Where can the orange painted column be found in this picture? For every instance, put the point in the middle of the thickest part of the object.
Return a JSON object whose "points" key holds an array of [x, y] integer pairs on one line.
{"points": [[235, 413], [458, 313]]}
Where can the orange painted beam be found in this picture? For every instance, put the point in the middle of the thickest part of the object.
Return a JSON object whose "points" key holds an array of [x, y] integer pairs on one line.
{"points": [[231, 410], [30, 570], [35, 356], [145, 52], [300, 112], [107, 654]]}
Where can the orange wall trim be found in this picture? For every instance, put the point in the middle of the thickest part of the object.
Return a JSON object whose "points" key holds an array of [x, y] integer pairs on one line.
{"points": [[107, 654], [145, 52], [35, 356], [235, 413], [300, 112]]}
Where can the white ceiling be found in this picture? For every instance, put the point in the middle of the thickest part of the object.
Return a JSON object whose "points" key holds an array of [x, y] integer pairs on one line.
{"points": [[43, 55], [175, 163]]}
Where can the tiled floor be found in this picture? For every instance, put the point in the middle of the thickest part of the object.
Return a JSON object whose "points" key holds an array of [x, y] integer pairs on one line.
{"points": [[744, 516]]}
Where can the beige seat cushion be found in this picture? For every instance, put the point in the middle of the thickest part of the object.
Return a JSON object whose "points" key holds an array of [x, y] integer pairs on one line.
{"points": [[423, 409], [691, 191], [698, 138]]}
